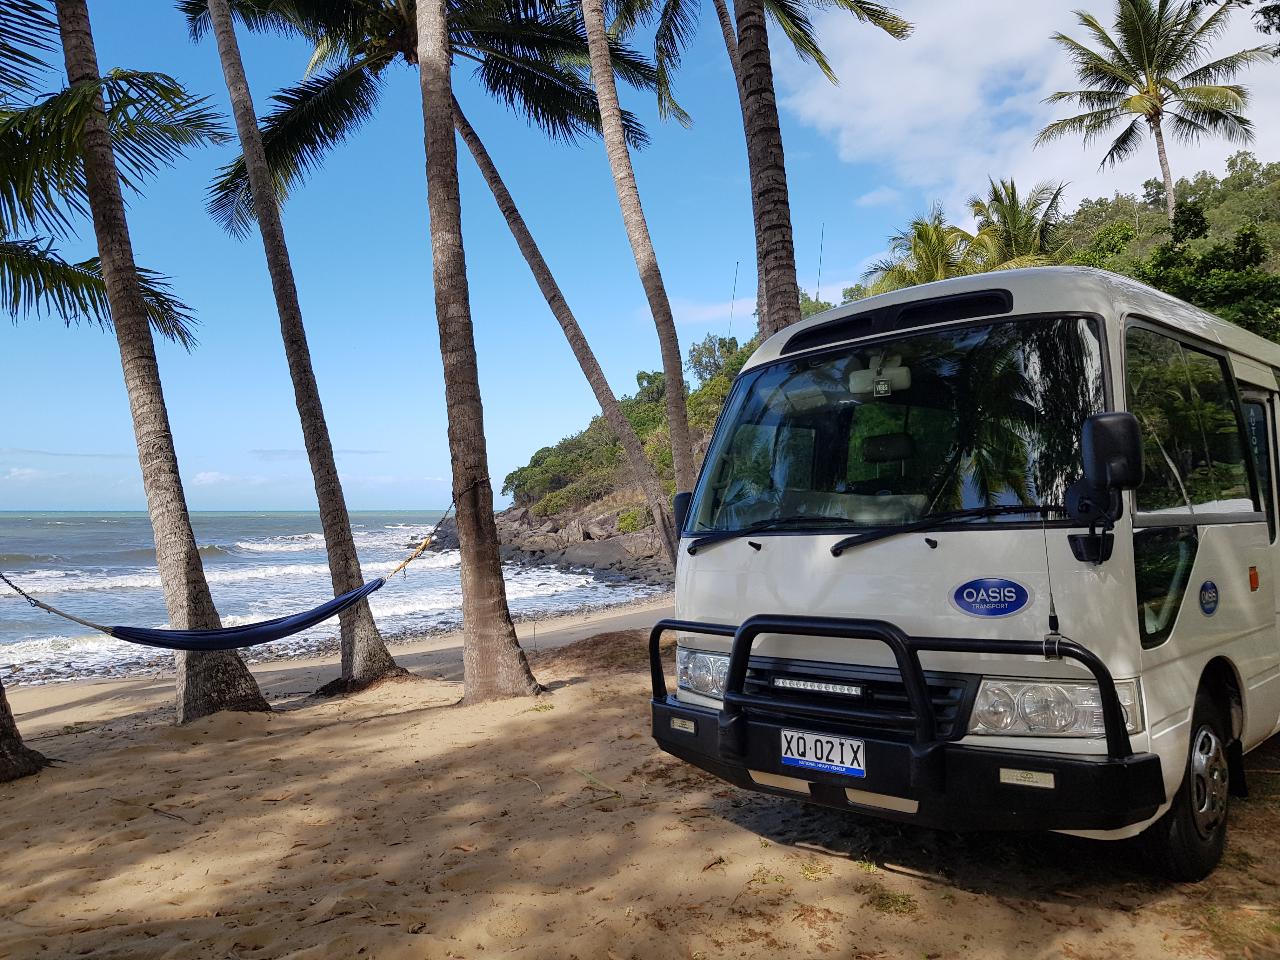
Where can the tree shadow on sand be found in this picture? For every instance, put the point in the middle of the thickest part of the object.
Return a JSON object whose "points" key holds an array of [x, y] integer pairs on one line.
{"points": [[391, 824]]}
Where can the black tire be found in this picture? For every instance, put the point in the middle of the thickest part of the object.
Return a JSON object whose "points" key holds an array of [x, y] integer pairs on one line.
{"points": [[1187, 842]]}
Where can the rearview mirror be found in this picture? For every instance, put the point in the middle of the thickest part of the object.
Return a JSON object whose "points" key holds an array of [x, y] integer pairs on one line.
{"points": [[680, 509], [1112, 452]]}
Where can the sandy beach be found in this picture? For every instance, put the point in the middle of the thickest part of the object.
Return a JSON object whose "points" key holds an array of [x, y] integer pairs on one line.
{"points": [[393, 824]]}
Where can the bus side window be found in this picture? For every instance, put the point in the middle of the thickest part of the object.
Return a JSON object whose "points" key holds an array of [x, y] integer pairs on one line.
{"points": [[1162, 560], [1193, 452], [1258, 432]]}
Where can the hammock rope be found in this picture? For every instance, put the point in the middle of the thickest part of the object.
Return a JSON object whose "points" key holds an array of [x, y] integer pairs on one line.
{"points": [[249, 634]]}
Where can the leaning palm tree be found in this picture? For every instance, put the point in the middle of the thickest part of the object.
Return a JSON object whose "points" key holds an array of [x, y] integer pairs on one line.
{"points": [[207, 682], [747, 46], [644, 474], [1017, 231], [364, 654], [492, 662], [929, 249], [1153, 69], [314, 116], [38, 180], [655, 290]]}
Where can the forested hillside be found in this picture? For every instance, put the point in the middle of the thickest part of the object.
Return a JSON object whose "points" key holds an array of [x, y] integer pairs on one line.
{"points": [[1222, 254]]}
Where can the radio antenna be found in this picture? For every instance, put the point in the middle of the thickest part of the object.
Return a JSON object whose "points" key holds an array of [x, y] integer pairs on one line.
{"points": [[822, 236], [733, 297]]}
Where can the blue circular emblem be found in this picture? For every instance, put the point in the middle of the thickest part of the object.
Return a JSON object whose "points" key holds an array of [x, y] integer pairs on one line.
{"points": [[990, 597], [1208, 598]]}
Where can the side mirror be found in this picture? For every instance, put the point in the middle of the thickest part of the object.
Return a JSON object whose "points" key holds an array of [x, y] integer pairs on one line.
{"points": [[680, 509], [1111, 448], [1112, 452]]}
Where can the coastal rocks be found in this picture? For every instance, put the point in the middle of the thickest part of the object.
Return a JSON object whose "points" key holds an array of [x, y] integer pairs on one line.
{"points": [[574, 543]]}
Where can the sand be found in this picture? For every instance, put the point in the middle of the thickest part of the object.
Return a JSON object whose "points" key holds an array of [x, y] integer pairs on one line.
{"points": [[392, 824]]}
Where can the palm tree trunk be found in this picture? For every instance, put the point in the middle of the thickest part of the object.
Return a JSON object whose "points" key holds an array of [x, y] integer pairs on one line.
{"points": [[770, 203], [624, 182], [364, 655], [493, 663], [731, 48], [641, 469], [1158, 132], [207, 682], [16, 758]]}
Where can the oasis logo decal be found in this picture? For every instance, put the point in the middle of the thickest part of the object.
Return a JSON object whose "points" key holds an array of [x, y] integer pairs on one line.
{"points": [[990, 597], [1208, 598]]}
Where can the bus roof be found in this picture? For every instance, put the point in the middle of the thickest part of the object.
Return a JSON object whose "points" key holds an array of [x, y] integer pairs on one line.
{"points": [[1038, 290]]}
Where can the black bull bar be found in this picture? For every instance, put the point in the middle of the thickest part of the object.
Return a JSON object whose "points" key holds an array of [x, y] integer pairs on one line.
{"points": [[906, 651]]}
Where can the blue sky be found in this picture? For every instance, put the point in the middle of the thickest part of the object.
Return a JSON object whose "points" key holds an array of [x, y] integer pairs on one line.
{"points": [[911, 122]]}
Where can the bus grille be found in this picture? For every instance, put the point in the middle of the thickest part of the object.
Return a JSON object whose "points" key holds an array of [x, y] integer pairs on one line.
{"points": [[881, 691]]}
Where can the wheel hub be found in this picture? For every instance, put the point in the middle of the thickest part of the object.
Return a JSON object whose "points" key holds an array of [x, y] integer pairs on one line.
{"points": [[1208, 781]]}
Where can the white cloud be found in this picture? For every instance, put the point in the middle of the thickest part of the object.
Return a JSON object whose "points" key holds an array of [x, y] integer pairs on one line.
{"points": [[212, 478], [961, 100], [22, 475], [881, 196], [706, 314]]}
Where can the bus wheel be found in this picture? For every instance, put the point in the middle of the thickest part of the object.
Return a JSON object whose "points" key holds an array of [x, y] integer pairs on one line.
{"points": [[1187, 842]]}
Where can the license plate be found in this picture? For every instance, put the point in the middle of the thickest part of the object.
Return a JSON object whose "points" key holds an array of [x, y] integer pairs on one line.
{"points": [[817, 751]]}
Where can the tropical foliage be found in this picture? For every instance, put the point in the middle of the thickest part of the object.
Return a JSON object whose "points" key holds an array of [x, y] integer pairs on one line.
{"points": [[528, 57], [153, 121], [588, 466]]}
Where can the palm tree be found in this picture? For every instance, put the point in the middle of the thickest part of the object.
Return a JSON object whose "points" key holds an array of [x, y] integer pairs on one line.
{"points": [[1149, 70], [1015, 231], [624, 182], [37, 148], [643, 472], [207, 682], [929, 249], [493, 663], [315, 115], [16, 758], [747, 46], [364, 654]]}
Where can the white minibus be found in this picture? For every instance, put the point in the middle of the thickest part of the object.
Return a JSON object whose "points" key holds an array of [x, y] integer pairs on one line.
{"points": [[995, 552]]}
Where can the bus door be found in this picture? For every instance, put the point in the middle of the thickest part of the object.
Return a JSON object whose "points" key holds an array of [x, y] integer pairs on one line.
{"points": [[1204, 522]]}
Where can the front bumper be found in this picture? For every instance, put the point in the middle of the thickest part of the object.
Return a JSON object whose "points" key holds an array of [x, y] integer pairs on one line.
{"points": [[912, 774]]}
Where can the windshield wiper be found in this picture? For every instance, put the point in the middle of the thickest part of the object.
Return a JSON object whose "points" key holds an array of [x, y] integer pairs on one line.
{"points": [[767, 524], [935, 520]]}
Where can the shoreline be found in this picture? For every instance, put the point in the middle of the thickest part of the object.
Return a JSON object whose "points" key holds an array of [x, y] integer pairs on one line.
{"points": [[45, 709]]}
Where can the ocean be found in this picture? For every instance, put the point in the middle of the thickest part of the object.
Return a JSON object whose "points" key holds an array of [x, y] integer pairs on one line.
{"points": [[101, 566]]}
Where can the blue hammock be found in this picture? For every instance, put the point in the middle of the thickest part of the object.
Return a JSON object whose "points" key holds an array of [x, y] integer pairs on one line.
{"points": [[245, 635], [223, 638]]}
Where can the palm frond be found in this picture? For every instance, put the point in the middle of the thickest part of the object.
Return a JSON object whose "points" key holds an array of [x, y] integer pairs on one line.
{"points": [[1224, 68], [793, 17], [152, 119], [677, 23], [308, 18], [27, 32], [36, 281], [1125, 145], [306, 121], [879, 15]]}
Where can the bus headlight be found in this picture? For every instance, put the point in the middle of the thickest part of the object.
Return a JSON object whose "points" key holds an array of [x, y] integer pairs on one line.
{"points": [[1042, 708], [701, 672]]}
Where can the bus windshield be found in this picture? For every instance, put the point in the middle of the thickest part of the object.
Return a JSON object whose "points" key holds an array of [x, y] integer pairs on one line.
{"points": [[890, 432]]}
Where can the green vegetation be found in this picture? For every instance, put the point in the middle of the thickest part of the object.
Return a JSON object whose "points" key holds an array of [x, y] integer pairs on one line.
{"points": [[590, 465]]}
